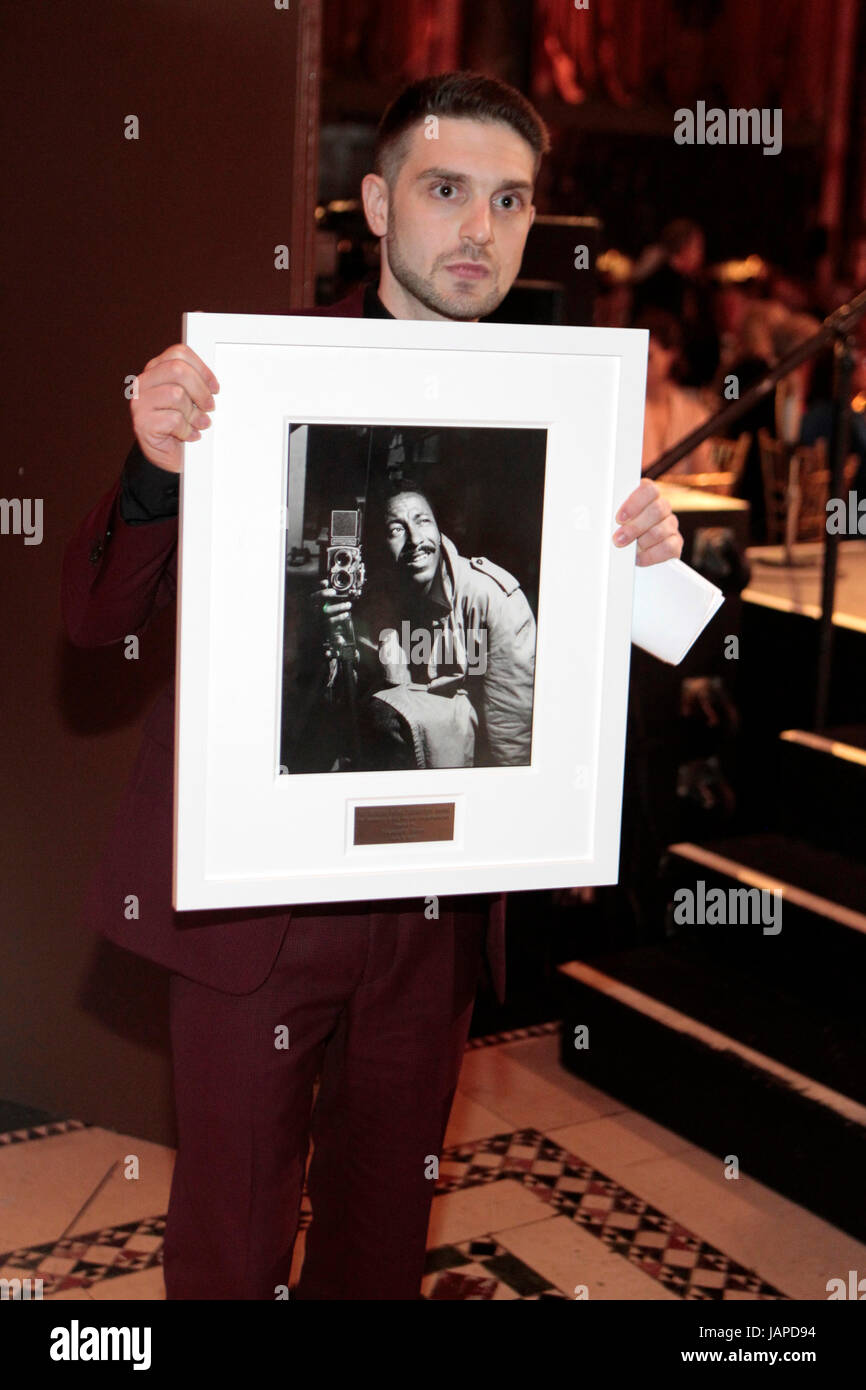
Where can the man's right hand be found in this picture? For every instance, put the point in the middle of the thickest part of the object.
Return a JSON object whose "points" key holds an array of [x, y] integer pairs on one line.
{"points": [[175, 392], [332, 611]]}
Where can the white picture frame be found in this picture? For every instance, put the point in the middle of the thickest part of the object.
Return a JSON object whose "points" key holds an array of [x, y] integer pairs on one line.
{"points": [[247, 835]]}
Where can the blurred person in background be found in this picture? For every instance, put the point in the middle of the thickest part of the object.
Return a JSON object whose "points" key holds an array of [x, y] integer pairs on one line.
{"points": [[614, 294], [749, 357], [679, 286], [672, 411], [816, 421], [792, 392]]}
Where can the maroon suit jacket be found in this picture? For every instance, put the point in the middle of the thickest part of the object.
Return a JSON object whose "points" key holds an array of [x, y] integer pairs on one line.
{"points": [[115, 577]]}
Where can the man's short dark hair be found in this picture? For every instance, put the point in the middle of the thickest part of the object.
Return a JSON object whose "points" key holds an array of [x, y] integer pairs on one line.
{"points": [[396, 486], [466, 95], [379, 498]]}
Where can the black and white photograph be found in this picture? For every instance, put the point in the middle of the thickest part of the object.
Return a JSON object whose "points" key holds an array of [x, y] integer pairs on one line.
{"points": [[411, 598]]}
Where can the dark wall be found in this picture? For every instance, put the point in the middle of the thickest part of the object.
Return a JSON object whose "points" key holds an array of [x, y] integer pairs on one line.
{"points": [[107, 241]]}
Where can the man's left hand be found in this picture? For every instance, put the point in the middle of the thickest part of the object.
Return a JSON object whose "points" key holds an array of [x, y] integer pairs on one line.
{"points": [[646, 517]]}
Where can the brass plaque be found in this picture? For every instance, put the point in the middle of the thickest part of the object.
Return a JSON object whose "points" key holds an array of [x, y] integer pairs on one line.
{"points": [[393, 825]]}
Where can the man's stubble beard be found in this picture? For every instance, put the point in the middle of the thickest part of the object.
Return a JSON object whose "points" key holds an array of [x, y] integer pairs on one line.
{"points": [[423, 291]]}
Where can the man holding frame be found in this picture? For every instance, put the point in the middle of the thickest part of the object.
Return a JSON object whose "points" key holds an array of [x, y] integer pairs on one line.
{"points": [[374, 999]]}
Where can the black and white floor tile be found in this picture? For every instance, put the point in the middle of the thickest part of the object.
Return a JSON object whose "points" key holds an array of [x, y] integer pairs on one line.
{"points": [[626, 1224], [547, 1189]]}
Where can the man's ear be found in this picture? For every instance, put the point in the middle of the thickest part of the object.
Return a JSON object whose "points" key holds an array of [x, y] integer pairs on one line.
{"points": [[532, 211], [374, 195]]}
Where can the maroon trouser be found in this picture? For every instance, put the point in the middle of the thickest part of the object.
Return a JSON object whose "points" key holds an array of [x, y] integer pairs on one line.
{"points": [[378, 1004]]}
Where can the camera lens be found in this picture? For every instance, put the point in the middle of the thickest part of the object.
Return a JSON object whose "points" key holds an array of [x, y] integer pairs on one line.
{"points": [[341, 579]]}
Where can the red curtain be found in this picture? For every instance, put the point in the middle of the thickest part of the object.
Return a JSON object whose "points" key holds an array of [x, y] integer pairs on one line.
{"points": [[736, 52], [387, 42]]}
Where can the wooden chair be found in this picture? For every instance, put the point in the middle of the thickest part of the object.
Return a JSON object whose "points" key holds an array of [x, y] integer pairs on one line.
{"points": [[779, 461], [728, 457]]}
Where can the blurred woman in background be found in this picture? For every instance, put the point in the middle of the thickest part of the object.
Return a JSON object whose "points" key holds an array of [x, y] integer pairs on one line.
{"points": [[671, 410]]}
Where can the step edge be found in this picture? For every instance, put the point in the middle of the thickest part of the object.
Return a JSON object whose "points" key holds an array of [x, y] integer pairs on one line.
{"points": [[800, 608], [668, 1017], [798, 897], [848, 752]]}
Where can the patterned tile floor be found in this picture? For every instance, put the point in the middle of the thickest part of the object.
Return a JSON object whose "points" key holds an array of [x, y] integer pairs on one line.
{"points": [[626, 1224], [547, 1188]]}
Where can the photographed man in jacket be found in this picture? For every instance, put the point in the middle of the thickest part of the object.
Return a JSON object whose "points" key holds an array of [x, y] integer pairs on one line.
{"points": [[376, 997], [445, 647]]}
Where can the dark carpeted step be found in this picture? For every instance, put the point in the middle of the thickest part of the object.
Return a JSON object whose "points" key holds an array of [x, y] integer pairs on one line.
{"points": [[825, 873], [705, 979], [785, 1130], [820, 782]]}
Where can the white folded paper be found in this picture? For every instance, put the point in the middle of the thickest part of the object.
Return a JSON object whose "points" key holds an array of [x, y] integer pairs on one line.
{"points": [[672, 606]]}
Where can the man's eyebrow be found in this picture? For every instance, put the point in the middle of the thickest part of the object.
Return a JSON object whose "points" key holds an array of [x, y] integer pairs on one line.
{"points": [[454, 177]]}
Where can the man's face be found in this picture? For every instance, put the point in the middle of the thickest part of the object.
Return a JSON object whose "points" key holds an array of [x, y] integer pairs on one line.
{"points": [[413, 538], [454, 224]]}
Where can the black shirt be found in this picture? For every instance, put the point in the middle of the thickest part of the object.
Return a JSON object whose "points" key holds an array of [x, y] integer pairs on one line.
{"points": [[150, 493]]}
